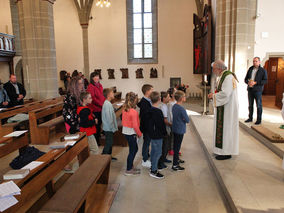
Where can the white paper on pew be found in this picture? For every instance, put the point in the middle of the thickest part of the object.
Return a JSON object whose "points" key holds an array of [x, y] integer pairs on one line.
{"points": [[7, 202], [8, 189], [70, 143], [119, 104], [15, 134], [1, 109], [71, 137], [32, 165]]}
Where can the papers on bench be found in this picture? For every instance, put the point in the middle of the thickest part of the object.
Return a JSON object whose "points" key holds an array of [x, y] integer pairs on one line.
{"points": [[71, 137], [62, 145], [15, 134], [32, 165], [7, 202], [16, 174], [7, 190]]}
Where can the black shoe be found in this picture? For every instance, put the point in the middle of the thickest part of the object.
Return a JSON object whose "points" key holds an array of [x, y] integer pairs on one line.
{"points": [[167, 161], [113, 159], [223, 157], [177, 168], [156, 174], [248, 120], [161, 167], [257, 122], [181, 161]]}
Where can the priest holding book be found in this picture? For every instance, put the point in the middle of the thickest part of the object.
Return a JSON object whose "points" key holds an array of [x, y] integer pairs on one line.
{"points": [[226, 119]]}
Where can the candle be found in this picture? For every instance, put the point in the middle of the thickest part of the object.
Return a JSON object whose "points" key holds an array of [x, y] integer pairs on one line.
{"points": [[205, 78]]}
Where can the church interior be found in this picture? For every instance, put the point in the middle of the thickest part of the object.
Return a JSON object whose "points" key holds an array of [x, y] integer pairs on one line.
{"points": [[55, 54]]}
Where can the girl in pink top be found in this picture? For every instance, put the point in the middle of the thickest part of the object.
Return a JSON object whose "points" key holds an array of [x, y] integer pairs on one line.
{"points": [[130, 129]]}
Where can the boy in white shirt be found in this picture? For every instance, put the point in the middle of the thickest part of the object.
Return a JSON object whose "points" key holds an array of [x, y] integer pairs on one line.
{"points": [[171, 103], [166, 140]]}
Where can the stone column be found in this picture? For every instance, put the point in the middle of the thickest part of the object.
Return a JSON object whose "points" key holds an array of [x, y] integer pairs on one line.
{"points": [[85, 33], [84, 9], [38, 48], [15, 25], [235, 31]]}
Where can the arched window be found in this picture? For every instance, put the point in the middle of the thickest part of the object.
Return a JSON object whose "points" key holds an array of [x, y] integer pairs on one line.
{"points": [[142, 32]]}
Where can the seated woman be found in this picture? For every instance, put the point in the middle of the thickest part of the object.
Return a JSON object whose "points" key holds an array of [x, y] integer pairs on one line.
{"points": [[4, 98]]}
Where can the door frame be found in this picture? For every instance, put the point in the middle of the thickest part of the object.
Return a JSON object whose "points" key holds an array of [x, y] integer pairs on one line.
{"points": [[272, 55]]}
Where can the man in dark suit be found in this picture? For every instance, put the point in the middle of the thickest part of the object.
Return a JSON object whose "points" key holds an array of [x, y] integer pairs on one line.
{"points": [[255, 79], [15, 91]]}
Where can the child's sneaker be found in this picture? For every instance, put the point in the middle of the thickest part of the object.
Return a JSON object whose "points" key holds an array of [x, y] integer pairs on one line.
{"points": [[156, 174], [177, 168], [167, 161], [131, 172], [181, 161], [161, 167], [138, 171], [146, 163]]}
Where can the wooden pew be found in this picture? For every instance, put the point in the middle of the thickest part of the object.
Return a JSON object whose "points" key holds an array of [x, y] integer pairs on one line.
{"points": [[9, 145], [41, 129], [43, 176], [85, 191], [6, 128]]}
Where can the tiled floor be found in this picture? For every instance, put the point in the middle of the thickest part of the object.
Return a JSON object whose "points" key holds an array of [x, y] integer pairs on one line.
{"points": [[191, 191], [254, 178]]}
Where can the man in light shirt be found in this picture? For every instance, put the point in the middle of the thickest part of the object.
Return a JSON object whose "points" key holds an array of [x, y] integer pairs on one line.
{"points": [[255, 79]]}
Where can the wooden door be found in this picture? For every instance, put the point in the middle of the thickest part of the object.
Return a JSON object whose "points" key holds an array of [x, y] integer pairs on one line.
{"points": [[279, 83], [270, 88]]}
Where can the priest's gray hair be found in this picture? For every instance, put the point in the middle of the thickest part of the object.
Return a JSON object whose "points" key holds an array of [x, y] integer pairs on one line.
{"points": [[219, 65]]}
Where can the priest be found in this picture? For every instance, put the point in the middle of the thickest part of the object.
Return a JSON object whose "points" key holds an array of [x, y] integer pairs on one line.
{"points": [[226, 110]]}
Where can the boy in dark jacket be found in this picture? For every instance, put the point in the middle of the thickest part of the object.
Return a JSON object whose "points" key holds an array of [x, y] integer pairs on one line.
{"points": [[145, 105], [156, 129]]}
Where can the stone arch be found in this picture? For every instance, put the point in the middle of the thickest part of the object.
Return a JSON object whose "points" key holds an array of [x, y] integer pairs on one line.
{"points": [[19, 71]]}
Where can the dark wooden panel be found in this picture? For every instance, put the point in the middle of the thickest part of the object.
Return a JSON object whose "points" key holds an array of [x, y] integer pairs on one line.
{"points": [[280, 83]]}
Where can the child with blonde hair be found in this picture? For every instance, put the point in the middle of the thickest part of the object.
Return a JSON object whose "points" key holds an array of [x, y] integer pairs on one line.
{"points": [[131, 130]]}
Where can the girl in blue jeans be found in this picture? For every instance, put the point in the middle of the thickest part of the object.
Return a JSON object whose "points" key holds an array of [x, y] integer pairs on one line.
{"points": [[130, 129]]}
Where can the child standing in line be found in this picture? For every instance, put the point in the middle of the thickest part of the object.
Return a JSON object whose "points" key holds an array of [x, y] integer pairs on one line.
{"points": [[87, 122], [171, 103], [157, 130], [145, 105], [180, 119], [166, 140], [130, 129], [109, 121]]}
